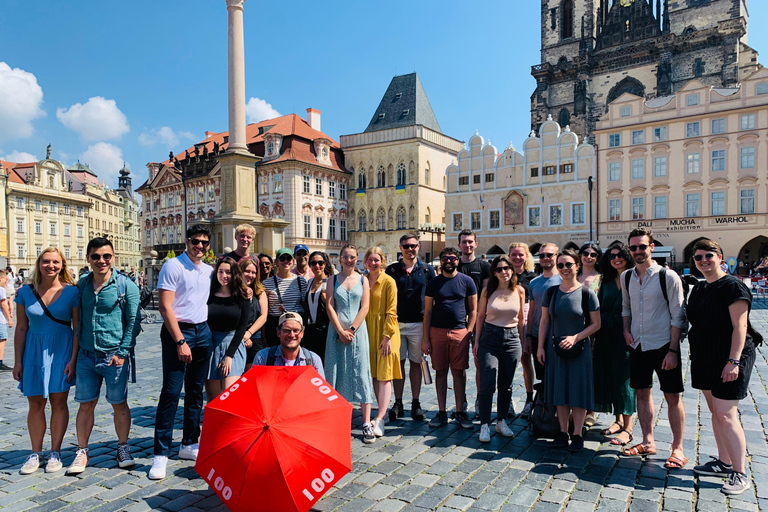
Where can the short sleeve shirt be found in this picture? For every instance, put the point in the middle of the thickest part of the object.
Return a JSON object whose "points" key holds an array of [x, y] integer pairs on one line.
{"points": [[449, 310], [192, 285], [411, 288], [711, 326], [477, 269], [3, 296], [538, 290], [237, 257]]}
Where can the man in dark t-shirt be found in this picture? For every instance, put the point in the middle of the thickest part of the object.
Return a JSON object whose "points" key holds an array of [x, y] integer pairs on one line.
{"points": [[450, 311], [244, 235]]}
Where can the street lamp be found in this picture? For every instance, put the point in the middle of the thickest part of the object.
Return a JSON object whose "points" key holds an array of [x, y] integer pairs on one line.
{"points": [[432, 229]]}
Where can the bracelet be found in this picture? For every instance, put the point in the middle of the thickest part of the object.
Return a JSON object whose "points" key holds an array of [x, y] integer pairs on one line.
{"points": [[674, 351], [734, 361]]}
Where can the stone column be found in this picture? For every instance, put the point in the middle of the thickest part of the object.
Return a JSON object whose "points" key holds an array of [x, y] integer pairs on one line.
{"points": [[236, 77]]}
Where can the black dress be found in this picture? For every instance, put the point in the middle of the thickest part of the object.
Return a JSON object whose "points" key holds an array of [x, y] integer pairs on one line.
{"points": [[710, 337], [316, 330]]}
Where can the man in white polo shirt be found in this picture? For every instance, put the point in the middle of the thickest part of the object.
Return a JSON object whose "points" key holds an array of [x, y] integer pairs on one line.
{"points": [[184, 284]]}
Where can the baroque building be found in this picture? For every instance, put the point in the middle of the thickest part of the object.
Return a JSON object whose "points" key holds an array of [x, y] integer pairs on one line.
{"points": [[541, 194], [398, 164], [593, 51], [689, 165]]}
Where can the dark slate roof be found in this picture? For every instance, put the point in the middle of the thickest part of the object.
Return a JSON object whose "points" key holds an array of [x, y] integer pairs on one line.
{"points": [[405, 93]]}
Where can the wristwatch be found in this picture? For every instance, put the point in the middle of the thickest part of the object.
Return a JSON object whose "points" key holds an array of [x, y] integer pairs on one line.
{"points": [[180, 342], [352, 328]]}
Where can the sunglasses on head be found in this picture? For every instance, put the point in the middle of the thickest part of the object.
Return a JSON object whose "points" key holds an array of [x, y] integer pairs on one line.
{"points": [[409, 246], [317, 263], [615, 255], [641, 247], [199, 241], [565, 265], [97, 257], [449, 259], [499, 270], [700, 257], [546, 255], [589, 254]]}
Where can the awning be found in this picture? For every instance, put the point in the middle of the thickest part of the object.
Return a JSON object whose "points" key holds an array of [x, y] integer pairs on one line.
{"points": [[663, 252]]}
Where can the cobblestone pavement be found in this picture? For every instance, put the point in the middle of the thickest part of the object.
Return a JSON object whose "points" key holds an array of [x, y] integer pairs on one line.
{"points": [[414, 468]]}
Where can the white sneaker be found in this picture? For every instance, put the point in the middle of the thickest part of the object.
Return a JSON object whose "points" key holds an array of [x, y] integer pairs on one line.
{"points": [[485, 433], [503, 429], [80, 463], [54, 463], [378, 427], [368, 435], [31, 464], [157, 471], [189, 452]]}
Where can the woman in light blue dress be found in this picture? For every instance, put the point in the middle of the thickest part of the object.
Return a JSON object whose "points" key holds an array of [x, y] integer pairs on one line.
{"points": [[347, 358], [46, 352]]}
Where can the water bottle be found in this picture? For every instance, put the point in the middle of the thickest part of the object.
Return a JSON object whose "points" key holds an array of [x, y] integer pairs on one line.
{"points": [[425, 370]]}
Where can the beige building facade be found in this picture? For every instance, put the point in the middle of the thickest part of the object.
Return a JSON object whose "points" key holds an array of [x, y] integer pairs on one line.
{"points": [[398, 172], [537, 195], [688, 165]]}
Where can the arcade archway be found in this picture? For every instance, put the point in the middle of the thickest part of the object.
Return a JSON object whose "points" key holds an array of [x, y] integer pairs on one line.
{"points": [[753, 250]]}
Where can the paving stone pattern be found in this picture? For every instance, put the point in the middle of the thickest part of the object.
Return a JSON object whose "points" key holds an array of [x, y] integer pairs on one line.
{"points": [[413, 468]]}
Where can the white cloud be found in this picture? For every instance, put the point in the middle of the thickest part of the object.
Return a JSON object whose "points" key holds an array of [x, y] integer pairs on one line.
{"points": [[20, 101], [164, 136], [257, 110], [98, 119], [105, 160], [20, 157]]}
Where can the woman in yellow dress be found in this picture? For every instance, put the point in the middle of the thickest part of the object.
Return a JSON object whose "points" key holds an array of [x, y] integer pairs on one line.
{"points": [[383, 333]]}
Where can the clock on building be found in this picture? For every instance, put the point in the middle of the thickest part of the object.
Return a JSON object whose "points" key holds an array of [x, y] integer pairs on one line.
{"points": [[626, 3]]}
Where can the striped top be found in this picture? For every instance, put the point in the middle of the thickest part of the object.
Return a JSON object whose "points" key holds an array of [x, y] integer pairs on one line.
{"points": [[291, 289]]}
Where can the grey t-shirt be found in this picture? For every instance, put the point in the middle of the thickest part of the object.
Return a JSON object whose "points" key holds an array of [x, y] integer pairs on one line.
{"points": [[538, 288], [568, 317]]}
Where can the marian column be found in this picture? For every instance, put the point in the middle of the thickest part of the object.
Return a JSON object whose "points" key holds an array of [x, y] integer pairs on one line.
{"points": [[236, 77]]}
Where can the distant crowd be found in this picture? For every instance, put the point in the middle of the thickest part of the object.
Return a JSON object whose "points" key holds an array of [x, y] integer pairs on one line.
{"points": [[593, 328]]}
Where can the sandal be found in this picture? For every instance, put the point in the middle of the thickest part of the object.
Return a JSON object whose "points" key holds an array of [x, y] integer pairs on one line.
{"points": [[617, 440], [675, 462], [637, 451], [609, 432]]}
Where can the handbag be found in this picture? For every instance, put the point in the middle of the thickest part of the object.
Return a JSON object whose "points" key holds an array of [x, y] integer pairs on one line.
{"points": [[576, 350]]}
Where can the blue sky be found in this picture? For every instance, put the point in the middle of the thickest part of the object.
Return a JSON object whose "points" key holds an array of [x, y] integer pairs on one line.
{"points": [[132, 80]]}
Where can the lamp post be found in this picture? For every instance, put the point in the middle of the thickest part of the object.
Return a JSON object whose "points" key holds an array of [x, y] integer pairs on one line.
{"points": [[432, 229]]}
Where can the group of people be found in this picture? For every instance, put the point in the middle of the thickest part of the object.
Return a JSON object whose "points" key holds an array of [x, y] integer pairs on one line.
{"points": [[594, 327]]}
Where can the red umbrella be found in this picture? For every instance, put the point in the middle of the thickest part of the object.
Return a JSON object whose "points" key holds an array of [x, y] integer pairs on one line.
{"points": [[276, 440]]}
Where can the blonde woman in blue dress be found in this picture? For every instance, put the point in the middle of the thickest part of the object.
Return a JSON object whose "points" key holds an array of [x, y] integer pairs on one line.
{"points": [[46, 348], [347, 354]]}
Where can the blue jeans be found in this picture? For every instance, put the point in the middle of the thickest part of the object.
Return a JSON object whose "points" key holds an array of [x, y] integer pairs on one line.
{"points": [[176, 373], [92, 369], [500, 351]]}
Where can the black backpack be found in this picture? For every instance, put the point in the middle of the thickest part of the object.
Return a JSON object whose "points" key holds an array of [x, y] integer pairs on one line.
{"points": [[272, 356], [543, 420], [663, 284]]}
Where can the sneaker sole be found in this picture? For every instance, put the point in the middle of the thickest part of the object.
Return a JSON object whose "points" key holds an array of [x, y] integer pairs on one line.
{"points": [[75, 471], [156, 477], [369, 441], [127, 464], [733, 493], [54, 469], [187, 457], [28, 471], [711, 473]]}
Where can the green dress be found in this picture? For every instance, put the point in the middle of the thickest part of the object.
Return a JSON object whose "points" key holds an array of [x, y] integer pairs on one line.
{"points": [[611, 356]]}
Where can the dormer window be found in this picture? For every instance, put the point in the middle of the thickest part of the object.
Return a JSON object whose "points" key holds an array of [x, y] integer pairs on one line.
{"points": [[322, 150], [271, 148], [382, 115], [398, 95], [406, 112]]}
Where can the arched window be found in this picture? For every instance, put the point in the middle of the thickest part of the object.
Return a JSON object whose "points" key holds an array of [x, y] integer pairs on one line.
{"points": [[170, 235], [401, 222], [381, 220], [427, 175], [362, 222], [427, 216], [566, 24], [565, 118], [390, 218], [401, 174], [381, 178], [361, 180]]}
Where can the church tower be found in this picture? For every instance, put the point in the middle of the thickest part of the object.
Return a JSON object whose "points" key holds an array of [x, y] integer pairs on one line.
{"points": [[593, 51]]}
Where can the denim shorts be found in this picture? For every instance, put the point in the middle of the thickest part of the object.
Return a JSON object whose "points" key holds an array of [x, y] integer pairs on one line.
{"points": [[92, 369], [3, 331]]}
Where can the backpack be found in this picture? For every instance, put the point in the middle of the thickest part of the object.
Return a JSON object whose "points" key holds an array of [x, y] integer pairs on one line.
{"points": [[543, 420], [663, 284], [120, 280], [272, 355]]}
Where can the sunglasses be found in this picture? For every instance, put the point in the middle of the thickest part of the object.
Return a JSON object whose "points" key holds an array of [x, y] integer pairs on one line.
{"points": [[700, 257], [499, 270], [198, 241], [641, 247], [284, 258], [590, 254], [97, 257], [614, 255], [565, 265], [409, 246], [319, 263], [449, 259], [265, 264], [546, 255]]}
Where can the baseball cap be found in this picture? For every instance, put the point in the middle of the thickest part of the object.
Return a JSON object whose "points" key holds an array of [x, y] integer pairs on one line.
{"points": [[290, 315], [300, 247], [283, 251]]}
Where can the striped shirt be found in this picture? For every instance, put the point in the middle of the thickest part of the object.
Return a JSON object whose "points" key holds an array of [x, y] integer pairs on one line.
{"points": [[291, 291]]}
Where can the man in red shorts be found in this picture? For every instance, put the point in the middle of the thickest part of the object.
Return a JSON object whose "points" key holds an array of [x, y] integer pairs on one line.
{"points": [[450, 311]]}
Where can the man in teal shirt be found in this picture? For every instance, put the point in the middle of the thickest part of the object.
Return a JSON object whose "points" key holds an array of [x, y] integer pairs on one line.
{"points": [[109, 302]]}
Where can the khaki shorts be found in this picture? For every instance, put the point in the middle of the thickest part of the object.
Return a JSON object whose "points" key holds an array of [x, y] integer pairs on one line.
{"points": [[411, 335], [450, 348]]}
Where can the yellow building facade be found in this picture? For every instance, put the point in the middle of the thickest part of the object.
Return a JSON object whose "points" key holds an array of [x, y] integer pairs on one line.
{"points": [[688, 165]]}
